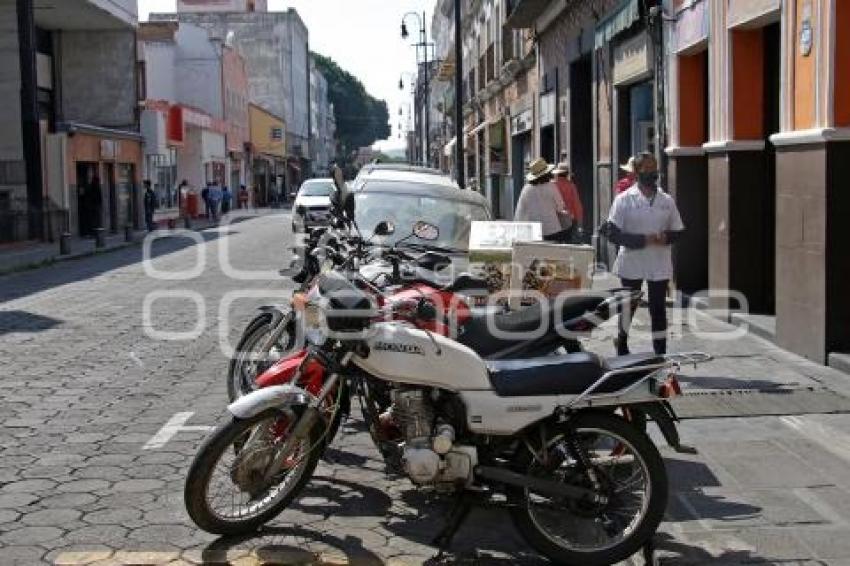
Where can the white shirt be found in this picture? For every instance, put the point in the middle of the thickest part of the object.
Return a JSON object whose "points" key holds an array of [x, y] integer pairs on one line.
{"points": [[633, 213], [541, 203]]}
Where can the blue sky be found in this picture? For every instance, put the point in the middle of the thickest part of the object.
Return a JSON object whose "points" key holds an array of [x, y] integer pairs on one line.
{"points": [[362, 36]]}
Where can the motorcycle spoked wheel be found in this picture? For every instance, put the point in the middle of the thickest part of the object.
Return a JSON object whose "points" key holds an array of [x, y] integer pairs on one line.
{"points": [[248, 362], [632, 476], [218, 455]]}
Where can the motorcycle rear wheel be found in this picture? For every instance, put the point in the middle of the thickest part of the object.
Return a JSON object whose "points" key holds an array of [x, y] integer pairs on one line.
{"points": [[248, 362], [230, 438], [552, 527]]}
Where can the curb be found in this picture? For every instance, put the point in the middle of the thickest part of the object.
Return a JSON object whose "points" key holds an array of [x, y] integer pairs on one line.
{"points": [[80, 255]]}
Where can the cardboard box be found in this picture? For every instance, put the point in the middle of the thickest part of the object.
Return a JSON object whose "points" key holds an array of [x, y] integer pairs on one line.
{"points": [[491, 248], [550, 268]]}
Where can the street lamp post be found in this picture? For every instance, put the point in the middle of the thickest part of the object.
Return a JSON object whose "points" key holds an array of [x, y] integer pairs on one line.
{"points": [[461, 174], [423, 43]]}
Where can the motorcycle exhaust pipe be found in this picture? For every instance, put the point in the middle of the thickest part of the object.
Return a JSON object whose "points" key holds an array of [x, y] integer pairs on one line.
{"points": [[539, 485]]}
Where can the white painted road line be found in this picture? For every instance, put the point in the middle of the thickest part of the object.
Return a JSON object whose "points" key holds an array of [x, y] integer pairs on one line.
{"points": [[175, 425], [832, 440]]}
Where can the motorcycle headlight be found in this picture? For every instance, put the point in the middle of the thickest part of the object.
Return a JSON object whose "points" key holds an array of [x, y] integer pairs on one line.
{"points": [[315, 324]]}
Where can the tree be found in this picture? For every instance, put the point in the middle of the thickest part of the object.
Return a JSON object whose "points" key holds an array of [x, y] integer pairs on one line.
{"points": [[361, 119]]}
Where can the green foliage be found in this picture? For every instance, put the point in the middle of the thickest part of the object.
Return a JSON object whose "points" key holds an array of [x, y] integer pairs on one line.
{"points": [[361, 120]]}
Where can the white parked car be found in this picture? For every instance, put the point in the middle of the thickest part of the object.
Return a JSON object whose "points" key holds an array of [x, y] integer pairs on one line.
{"points": [[312, 204]]}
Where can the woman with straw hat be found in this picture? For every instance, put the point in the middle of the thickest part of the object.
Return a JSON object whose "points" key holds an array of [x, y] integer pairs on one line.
{"points": [[626, 182], [540, 201]]}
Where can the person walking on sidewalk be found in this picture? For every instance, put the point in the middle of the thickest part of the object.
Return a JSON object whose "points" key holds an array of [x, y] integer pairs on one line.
{"points": [[644, 222], [570, 196], [541, 202], [150, 206], [215, 200], [226, 199], [205, 196]]}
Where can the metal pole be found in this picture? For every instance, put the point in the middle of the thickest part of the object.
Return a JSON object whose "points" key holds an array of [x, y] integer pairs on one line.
{"points": [[461, 174], [427, 156], [30, 138]]}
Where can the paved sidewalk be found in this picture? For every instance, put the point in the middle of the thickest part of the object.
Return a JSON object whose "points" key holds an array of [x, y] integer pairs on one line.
{"points": [[29, 255]]}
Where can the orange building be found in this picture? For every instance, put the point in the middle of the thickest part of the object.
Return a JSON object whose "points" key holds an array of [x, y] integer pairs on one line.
{"points": [[759, 122]]}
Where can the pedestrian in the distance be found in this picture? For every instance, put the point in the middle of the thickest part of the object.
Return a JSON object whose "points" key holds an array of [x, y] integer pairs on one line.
{"points": [[150, 206], [215, 200], [226, 199], [572, 200], [644, 222], [205, 196], [629, 178], [182, 189], [243, 197], [541, 202]]}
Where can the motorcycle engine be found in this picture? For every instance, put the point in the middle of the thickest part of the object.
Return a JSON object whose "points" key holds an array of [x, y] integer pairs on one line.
{"points": [[430, 456]]}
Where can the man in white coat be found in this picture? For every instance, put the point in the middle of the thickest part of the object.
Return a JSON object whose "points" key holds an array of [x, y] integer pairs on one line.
{"points": [[645, 223]]}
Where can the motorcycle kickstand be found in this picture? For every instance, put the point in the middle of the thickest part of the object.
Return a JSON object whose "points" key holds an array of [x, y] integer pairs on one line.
{"points": [[458, 514]]}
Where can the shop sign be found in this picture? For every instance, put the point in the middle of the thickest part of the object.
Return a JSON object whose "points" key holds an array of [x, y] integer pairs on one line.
{"points": [[109, 149], [522, 122], [632, 60], [547, 109], [276, 134]]}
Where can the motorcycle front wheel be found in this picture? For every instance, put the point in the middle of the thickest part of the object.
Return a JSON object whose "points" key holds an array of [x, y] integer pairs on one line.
{"points": [[227, 491], [629, 473]]}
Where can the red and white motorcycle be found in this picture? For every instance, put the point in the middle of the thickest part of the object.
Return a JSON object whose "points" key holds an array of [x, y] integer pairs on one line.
{"points": [[584, 485]]}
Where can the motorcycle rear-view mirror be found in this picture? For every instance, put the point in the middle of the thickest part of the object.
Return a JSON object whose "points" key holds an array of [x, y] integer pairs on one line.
{"points": [[384, 228], [426, 231]]}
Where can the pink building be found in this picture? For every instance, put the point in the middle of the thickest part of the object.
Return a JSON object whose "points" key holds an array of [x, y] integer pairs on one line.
{"points": [[189, 6]]}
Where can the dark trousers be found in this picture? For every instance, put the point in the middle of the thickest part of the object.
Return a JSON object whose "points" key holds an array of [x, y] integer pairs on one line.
{"points": [[657, 313], [562, 237], [149, 220]]}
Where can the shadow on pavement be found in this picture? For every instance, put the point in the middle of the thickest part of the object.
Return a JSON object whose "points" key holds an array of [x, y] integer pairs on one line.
{"points": [[17, 285], [350, 547], [23, 321]]}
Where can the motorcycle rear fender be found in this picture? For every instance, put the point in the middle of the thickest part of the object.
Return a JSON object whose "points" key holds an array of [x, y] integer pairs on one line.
{"points": [[275, 397]]}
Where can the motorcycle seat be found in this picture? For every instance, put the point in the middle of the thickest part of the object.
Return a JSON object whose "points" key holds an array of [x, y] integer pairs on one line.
{"points": [[570, 374], [494, 333]]}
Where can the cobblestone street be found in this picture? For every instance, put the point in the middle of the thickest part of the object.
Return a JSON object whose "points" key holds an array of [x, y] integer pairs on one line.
{"points": [[88, 475]]}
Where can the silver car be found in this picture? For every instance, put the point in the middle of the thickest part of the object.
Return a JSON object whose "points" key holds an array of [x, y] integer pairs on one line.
{"points": [[312, 204]]}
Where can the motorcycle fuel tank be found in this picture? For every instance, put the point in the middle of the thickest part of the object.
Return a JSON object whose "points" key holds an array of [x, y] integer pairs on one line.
{"points": [[403, 354]]}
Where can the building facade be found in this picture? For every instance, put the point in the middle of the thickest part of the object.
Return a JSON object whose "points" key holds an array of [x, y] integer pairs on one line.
{"points": [[276, 52], [70, 157], [268, 144], [192, 134], [322, 123], [746, 104], [760, 141]]}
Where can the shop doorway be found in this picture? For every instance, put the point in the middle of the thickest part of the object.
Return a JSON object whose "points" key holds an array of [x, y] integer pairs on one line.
{"points": [[547, 143], [89, 199], [111, 194], [772, 93], [520, 158], [581, 135], [689, 174]]}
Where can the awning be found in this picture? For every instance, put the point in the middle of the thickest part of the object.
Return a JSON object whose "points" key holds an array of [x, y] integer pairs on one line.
{"points": [[525, 12], [622, 19], [448, 149], [477, 128]]}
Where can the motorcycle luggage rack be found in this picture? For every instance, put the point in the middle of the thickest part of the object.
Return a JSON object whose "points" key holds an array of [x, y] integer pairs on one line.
{"points": [[670, 361]]}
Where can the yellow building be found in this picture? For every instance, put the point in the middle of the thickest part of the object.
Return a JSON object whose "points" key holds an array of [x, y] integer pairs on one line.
{"points": [[268, 142]]}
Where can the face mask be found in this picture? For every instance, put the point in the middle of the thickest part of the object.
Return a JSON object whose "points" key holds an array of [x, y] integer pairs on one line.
{"points": [[648, 179]]}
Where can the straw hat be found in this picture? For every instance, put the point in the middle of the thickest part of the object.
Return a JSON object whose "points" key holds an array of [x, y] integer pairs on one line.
{"points": [[563, 168], [538, 168], [629, 167]]}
